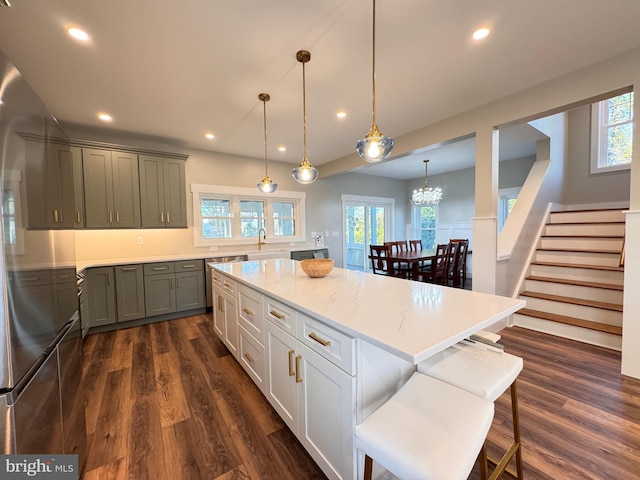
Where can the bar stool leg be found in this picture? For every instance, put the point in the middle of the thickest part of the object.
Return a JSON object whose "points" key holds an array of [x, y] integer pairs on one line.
{"points": [[482, 459], [368, 467], [516, 427]]}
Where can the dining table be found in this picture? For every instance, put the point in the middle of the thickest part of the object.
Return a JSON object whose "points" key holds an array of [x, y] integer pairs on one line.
{"points": [[413, 258]]}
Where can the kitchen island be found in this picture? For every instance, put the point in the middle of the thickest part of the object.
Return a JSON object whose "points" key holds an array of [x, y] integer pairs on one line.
{"points": [[326, 352]]}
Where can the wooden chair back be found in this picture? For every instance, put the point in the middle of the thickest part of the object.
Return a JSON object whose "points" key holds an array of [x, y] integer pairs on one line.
{"points": [[415, 245], [458, 270], [398, 246], [379, 259], [438, 271]]}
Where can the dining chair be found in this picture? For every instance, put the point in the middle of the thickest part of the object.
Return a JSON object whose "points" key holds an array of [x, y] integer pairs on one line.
{"points": [[402, 269], [458, 268], [438, 270], [415, 245], [380, 265]]}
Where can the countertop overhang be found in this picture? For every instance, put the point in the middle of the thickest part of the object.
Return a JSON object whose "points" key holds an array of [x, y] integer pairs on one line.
{"points": [[412, 320]]}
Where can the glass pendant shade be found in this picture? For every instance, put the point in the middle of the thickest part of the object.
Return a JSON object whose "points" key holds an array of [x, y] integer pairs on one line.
{"points": [[305, 173], [426, 195], [266, 185], [374, 147]]}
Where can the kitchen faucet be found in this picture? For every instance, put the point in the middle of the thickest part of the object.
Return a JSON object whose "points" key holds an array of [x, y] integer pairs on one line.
{"points": [[260, 240]]}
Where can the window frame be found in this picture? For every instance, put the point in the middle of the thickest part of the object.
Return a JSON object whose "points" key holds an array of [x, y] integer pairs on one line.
{"points": [[598, 137], [417, 231], [235, 195], [504, 195]]}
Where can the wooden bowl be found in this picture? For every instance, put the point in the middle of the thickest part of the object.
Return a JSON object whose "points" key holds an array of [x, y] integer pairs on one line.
{"points": [[317, 267]]}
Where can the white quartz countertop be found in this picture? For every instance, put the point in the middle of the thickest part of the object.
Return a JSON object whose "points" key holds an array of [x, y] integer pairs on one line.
{"points": [[412, 320]]}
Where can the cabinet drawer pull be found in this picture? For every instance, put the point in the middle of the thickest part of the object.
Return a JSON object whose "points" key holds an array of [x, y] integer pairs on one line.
{"points": [[298, 377], [191, 265], [159, 269], [247, 311], [291, 371], [249, 358], [128, 269], [31, 279], [277, 315], [324, 343]]}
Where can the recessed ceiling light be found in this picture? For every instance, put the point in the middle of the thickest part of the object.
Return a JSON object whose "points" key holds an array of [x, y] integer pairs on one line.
{"points": [[105, 117], [78, 34], [481, 33], [282, 148], [341, 114], [210, 136]]}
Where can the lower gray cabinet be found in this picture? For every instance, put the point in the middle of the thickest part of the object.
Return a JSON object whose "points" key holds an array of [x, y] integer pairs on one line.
{"points": [[173, 286], [101, 296], [130, 292]]}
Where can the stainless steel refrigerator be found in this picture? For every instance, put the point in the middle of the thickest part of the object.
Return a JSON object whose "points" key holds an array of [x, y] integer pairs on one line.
{"points": [[41, 400]]}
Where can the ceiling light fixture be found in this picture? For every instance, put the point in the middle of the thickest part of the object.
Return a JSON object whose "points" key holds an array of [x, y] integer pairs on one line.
{"points": [[105, 117], [481, 33], [266, 185], [426, 195], [209, 136], [374, 147], [78, 34], [304, 173]]}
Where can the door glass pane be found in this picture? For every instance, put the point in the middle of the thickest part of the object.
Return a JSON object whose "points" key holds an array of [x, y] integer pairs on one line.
{"points": [[355, 237], [376, 222]]}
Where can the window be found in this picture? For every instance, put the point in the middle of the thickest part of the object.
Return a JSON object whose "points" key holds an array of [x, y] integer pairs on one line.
{"points": [[612, 133], [506, 200], [234, 216], [424, 224], [12, 232]]}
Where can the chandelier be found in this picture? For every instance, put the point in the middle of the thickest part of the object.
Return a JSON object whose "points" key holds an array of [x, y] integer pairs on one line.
{"points": [[426, 195]]}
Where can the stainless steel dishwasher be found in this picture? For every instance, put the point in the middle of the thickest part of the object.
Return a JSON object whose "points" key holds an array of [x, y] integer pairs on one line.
{"points": [[221, 259]]}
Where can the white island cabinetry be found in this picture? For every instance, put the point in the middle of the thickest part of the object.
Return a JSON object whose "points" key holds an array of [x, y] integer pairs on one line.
{"points": [[328, 351]]}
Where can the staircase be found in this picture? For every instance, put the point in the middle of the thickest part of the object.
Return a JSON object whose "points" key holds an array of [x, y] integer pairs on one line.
{"points": [[575, 286]]}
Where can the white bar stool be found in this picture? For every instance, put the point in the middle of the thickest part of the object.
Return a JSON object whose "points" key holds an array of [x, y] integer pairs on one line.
{"points": [[486, 373], [428, 430]]}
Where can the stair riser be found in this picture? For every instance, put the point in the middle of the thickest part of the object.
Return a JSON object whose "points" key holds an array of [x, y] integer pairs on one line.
{"points": [[579, 258], [596, 229], [592, 216], [593, 243], [585, 335], [587, 275], [577, 311], [575, 291]]}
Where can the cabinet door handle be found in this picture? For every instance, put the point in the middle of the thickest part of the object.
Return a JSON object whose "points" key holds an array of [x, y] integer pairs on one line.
{"points": [[108, 279], [55, 216], [247, 311], [291, 371], [298, 376], [277, 315], [118, 216], [321, 341], [78, 216], [168, 218], [177, 282], [161, 217], [110, 217], [249, 358], [220, 304]]}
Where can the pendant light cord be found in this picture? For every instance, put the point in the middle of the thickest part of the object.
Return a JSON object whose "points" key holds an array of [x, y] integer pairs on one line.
{"points": [[266, 165], [304, 113], [373, 63]]}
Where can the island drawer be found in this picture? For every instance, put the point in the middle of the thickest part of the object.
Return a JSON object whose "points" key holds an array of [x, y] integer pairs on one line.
{"points": [[224, 283], [280, 314], [252, 357], [158, 268], [250, 312], [333, 345]]}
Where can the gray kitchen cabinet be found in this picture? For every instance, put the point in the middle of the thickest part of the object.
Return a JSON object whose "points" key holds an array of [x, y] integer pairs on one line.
{"points": [[130, 292], [163, 199], [307, 254], [78, 188], [173, 287], [101, 296], [111, 188], [49, 177]]}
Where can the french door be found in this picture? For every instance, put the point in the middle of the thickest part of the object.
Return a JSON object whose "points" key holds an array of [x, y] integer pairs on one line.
{"points": [[366, 221]]}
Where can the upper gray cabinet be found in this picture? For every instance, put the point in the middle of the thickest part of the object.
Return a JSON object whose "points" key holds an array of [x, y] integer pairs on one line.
{"points": [[111, 188], [78, 187], [163, 195], [49, 185]]}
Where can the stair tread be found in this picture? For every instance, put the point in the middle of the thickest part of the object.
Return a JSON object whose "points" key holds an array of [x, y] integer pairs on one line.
{"points": [[574, 301], [595, 222], [580, 265], [581, 283], [578, 250], [596, 237], [577, 322]]}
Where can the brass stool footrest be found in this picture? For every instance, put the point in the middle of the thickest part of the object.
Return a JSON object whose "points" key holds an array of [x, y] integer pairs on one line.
{"points": [[501, 465]]}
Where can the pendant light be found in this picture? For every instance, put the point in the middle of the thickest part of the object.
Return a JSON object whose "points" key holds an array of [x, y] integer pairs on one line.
{"points": [[266, 185], [304, 173], [426, 195], [374, 147]]}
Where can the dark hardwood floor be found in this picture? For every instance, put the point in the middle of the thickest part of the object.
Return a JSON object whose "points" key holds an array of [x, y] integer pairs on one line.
{"points": [[168, 401]]}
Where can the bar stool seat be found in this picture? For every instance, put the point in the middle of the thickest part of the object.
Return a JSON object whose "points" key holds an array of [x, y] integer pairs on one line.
{"points": [[428, 430], [487, 374]]}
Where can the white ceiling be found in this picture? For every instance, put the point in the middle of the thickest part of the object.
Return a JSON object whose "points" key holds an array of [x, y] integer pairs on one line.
{"points": [[177, 69]]}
